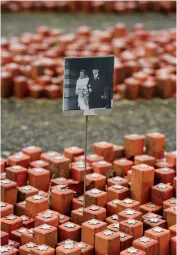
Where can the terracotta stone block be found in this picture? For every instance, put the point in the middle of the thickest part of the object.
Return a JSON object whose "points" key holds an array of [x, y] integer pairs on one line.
{"points": [[144, 176], [155, 144], [91, 158], [70, 230], [164, 175], [3, 165], [72, 152], [78, 170], [59, 166], [4, 237], [26, 191], [154, 222], [77, 216], [117, 192], [13, 244], [103, 167], [122, 166], [114, 227], [168, 203], [20, 159], [117, 180], [47, 217], [36, 204], [161, 192], [33, 152], [95, 196], [17, 174], [132, 227], [133, 145], [112, 207], [162, 236], [130, 214], [20, 208], [35, 175], [42, 250], [6, 209], [107, 242], [112, 219], [173, 245], [95, 180], [86, 249], [128, 203], [90, 228], [162, 163], [171, 216], [173, 230], [39, 163], [151, 207], [125, 240], [8, 191], [144, 159], [61, 200], [146, 244], [131, 250], [27, 236], [45, 234], [27, 221], [171, 157], [26, 248], [68, 247], [10, 223], [8, 250], [16, 234], [77, 202], [151, 215], [103, 149], [60, 181], [117, 152], [76, 186], [94, 212]]}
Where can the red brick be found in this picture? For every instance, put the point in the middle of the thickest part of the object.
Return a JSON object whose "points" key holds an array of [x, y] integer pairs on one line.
{"points": [[121, 166], [103, 167], [19, 159], [45, 234], [103, 149], [95, 196], [162, 236], [107, 242], [35, 175], [33, 152], [10, 223], [70, 230], [17, 174], [132, 227], [94, 212], [61, 200], [36, 204], [8, 191], [6, 209]]}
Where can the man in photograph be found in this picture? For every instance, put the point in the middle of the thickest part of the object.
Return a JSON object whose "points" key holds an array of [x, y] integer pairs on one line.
{"points": [[95, 89]]}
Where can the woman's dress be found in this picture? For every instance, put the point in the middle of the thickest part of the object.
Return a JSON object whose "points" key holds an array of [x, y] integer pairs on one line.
{"points": [[82, 92]]}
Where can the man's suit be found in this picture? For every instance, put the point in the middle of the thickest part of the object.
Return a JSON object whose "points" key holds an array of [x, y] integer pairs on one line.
{"points": [[96, 86]]}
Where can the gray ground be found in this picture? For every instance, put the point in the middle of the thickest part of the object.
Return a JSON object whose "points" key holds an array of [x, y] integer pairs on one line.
{"points": [[40, 122]]}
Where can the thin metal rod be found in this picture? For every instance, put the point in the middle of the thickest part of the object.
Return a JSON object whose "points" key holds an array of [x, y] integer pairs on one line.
{"points": [[86, 125]]}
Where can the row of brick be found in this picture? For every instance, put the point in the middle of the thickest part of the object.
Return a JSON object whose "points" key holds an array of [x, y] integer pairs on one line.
{"points": [[145, 61], [89, 6], [130, 204]]}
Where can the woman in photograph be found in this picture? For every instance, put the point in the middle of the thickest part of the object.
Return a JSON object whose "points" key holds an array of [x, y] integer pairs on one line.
{"points": [[82, 90]]}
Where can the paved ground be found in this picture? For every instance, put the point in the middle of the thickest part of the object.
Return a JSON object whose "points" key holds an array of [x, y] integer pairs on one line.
{"points": [[41, 122]]}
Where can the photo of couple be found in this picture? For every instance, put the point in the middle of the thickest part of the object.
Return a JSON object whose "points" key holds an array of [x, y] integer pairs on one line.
{"points": [[88, 85]]}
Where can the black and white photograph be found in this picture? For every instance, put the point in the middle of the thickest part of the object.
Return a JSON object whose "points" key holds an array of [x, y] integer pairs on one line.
{"points": [[88, 86]]}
